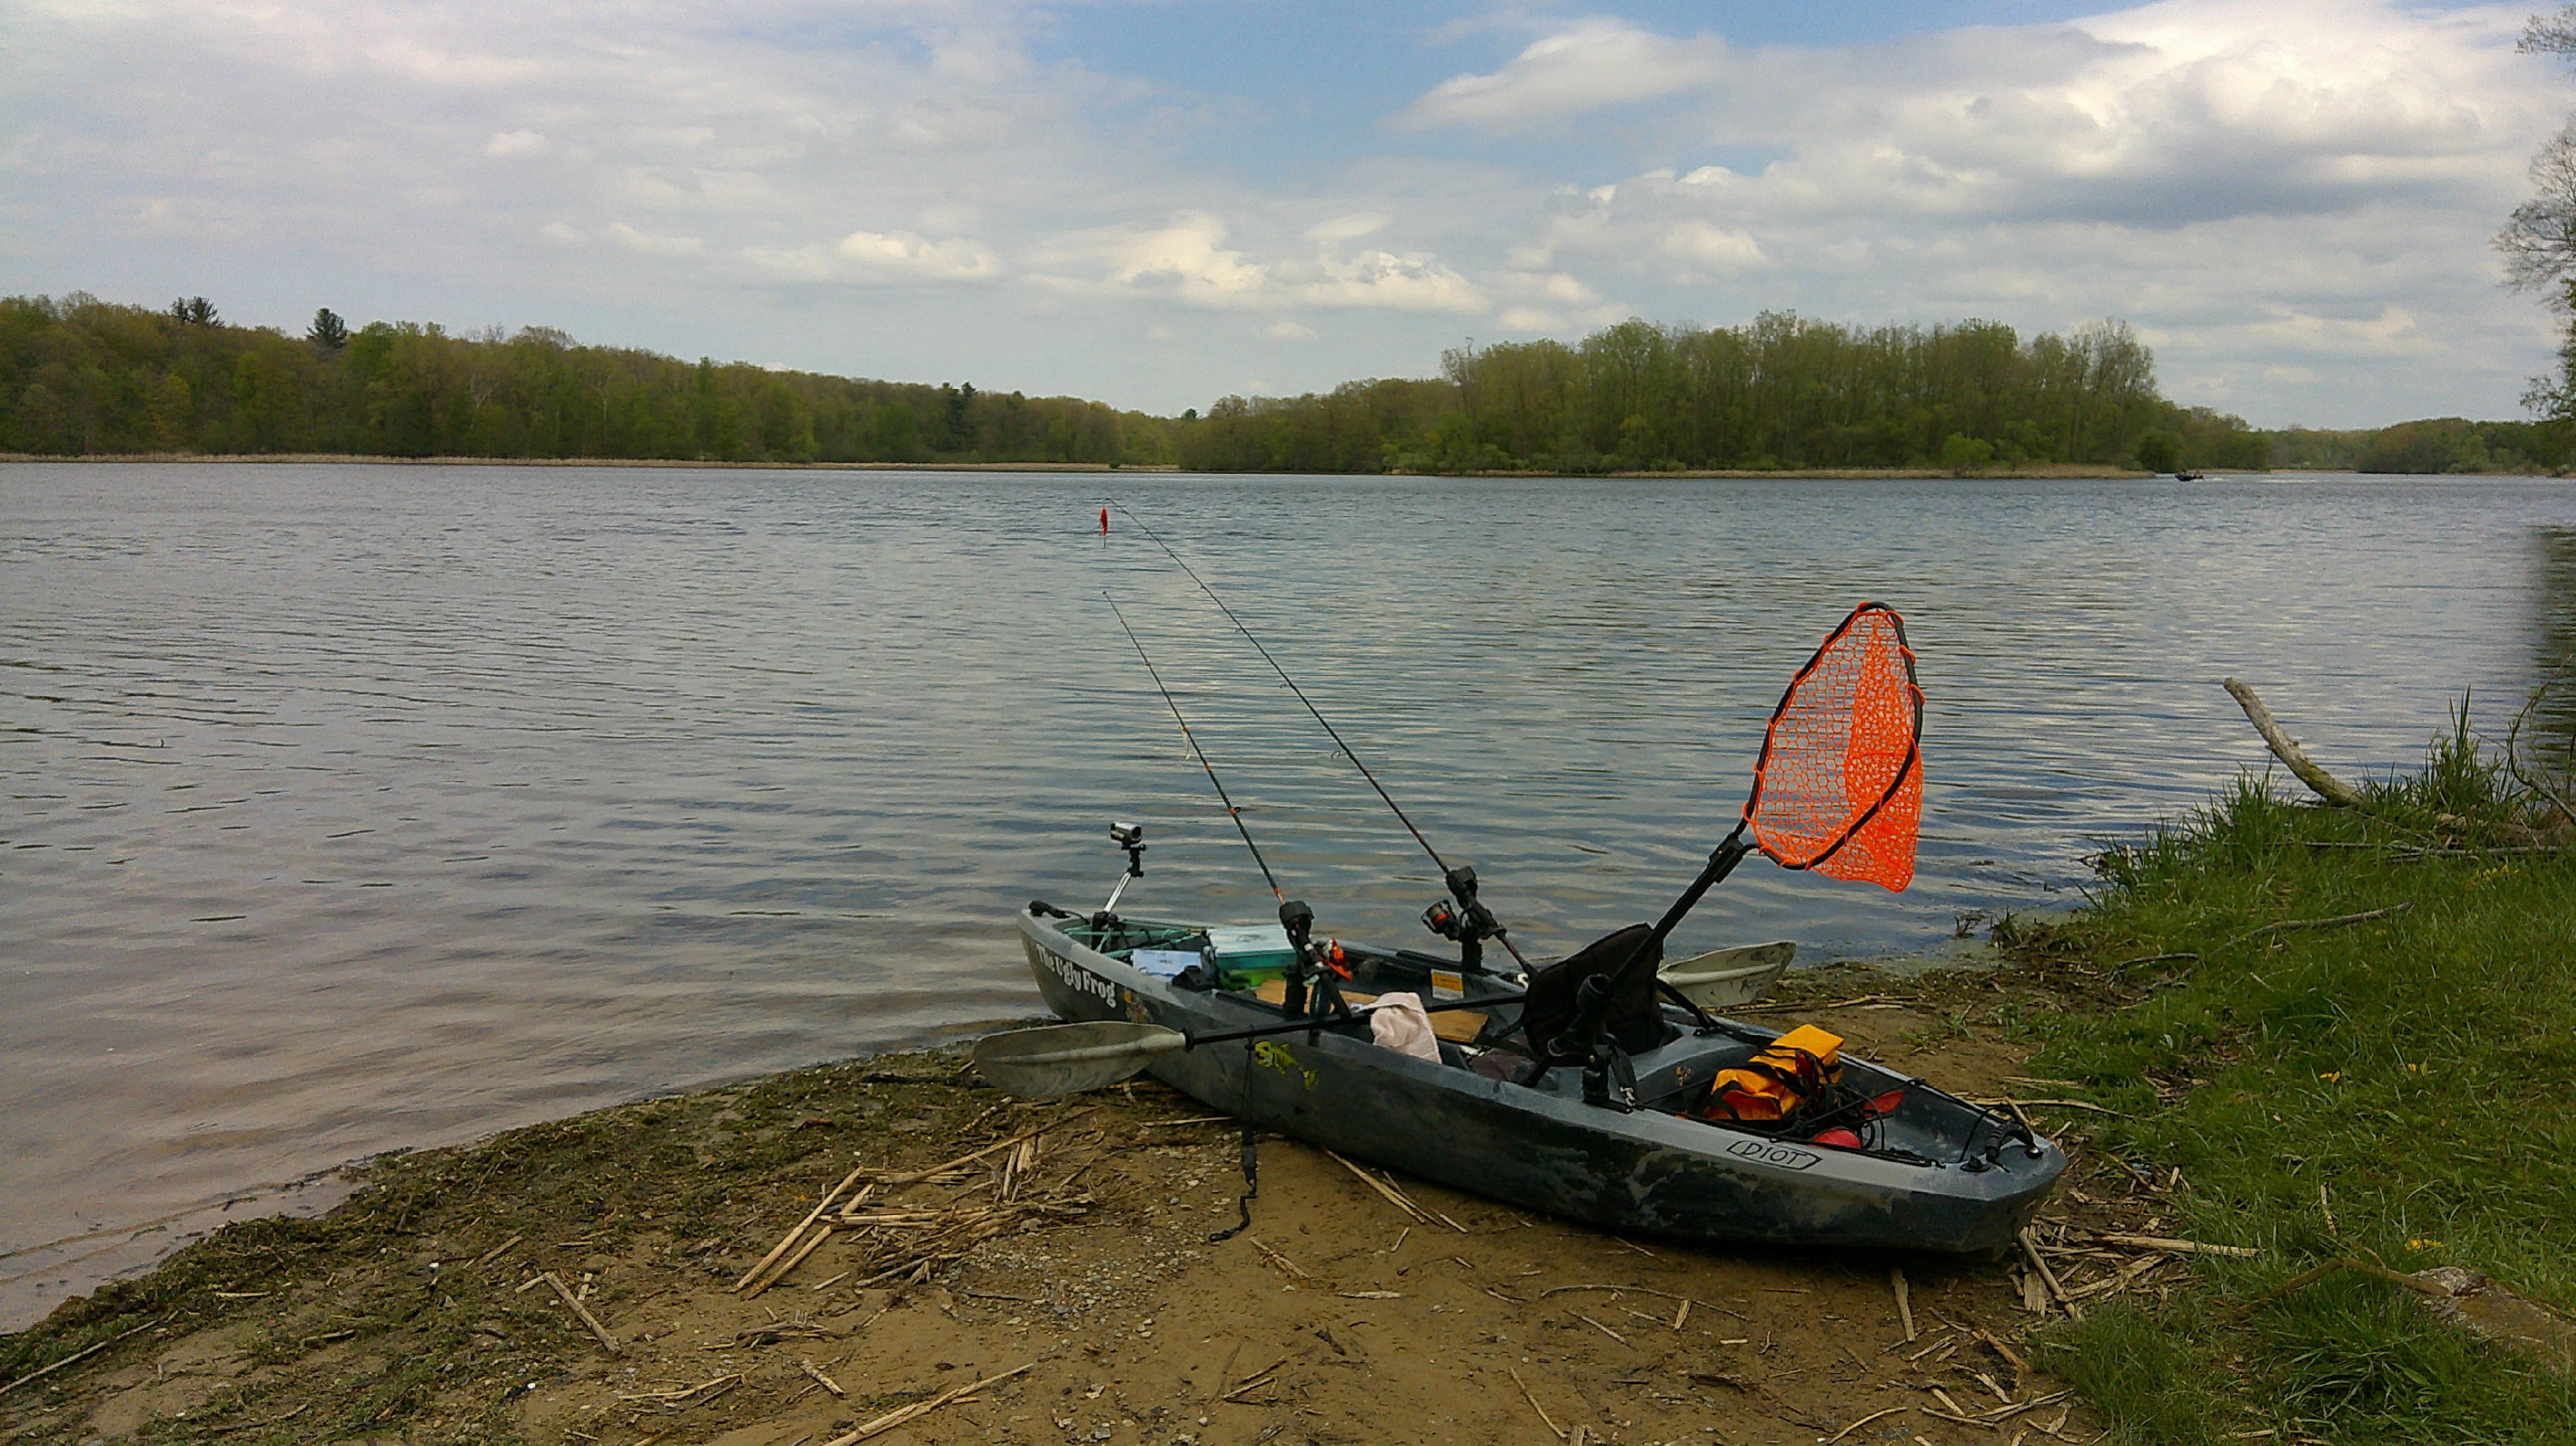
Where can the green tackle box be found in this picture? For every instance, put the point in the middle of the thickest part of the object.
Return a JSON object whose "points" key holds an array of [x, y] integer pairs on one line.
{"points": [[1248, 956]]}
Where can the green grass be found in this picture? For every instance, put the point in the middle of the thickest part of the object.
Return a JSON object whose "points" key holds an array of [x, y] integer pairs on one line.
{"points": [[2419, 1070]]}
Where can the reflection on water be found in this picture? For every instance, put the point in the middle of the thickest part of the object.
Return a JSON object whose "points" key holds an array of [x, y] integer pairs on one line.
{"points": [[2550, 735], [359, 807]]}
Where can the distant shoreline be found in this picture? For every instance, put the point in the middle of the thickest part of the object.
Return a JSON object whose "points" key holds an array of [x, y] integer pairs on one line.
{"points": [[2045, 469], [2061, 471], [344, 458]]}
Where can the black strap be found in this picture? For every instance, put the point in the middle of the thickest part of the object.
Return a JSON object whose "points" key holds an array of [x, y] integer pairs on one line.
{"points": [[1672, 992], [1251, 1159]]}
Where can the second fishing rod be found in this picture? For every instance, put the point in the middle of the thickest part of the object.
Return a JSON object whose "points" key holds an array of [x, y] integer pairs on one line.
{"points": [[1469, 923], [1294, 915]]}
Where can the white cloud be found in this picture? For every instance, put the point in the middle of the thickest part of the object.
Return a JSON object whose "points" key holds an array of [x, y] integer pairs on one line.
{"points": [[2177, 111], [650, 244], [955, 259], [1590, 64], [881, 257], [2299, 190], [1552, 295], [1406, 281], [2264, 191], [1284, 330], [1347, 228], [1709, 245], [517, 143], [1187, 260]]}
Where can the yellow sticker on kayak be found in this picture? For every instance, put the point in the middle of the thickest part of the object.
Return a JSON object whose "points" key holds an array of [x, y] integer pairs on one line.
{"points": [[1276, 1056]]}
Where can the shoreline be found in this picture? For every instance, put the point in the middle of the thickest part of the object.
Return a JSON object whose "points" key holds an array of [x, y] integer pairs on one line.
{"points": [[1046, 1271], [58, 1272], [2046, 471], [424, 1309]]}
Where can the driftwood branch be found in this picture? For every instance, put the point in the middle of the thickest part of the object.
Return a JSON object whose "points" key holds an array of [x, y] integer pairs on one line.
{"points": [[2334, 790], [2461, 1298], [901, 1414], [2328, 787], [80, 1355], [2292, 926], [606, 1341]]}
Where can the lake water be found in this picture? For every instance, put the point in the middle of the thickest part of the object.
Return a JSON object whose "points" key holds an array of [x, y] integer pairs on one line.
{"points": [[356, 807]]}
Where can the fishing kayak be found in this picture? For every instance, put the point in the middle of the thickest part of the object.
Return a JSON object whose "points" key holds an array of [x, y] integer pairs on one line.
{"points": [[1933, 1173]]}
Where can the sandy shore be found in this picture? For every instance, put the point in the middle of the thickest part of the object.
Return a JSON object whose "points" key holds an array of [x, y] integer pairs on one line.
{"points": [[1067, 1268]]}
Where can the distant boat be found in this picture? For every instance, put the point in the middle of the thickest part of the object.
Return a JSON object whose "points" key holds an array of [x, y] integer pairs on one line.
{"points": [[2190, 476]]}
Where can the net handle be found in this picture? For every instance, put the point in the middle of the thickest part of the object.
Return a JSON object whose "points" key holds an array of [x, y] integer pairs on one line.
{"points": [[1913, 738], [1592, 1004]]}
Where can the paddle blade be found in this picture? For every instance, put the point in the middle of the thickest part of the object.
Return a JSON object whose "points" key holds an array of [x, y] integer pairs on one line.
{"points": [[1839, 788], [1064, 1059]]}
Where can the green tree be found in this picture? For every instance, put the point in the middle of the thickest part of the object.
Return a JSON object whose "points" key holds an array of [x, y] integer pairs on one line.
{"points": [[2159, 451], [1966, 456], [266, 392], [2436, 444], [81, 375], [328, 331]]}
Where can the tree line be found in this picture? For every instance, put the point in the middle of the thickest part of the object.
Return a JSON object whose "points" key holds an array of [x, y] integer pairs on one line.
{"points": [[1781, 391], [82, 376], [2431, 445], [79, 376]]}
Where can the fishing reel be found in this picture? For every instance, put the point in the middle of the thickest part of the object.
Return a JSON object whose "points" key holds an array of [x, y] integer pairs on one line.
{"points": [[1309, 969], [1469, 925]]}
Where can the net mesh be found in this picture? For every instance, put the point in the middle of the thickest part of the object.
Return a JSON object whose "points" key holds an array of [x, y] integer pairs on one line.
{"points": [[1840, 786]]}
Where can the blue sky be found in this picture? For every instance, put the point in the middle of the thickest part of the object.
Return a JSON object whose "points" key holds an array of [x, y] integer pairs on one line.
{"points": [[1161, 203]]}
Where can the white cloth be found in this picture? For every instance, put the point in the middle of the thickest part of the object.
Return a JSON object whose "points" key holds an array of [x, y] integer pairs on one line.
{"points": [[1403, 1025]]}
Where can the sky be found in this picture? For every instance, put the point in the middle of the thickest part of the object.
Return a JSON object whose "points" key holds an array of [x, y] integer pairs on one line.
{"points": [[1160, 202]]}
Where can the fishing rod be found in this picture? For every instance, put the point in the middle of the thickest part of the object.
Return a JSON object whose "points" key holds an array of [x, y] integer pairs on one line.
{"points": [[1471, 923], [1197, 752], [1294, 916]]}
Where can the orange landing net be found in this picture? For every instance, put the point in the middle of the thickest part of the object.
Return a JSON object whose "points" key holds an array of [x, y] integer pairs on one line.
{"points": [[1839, 788]]}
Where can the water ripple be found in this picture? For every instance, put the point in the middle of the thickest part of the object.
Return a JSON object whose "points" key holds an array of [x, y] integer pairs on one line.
{"points": [[360, 807]]}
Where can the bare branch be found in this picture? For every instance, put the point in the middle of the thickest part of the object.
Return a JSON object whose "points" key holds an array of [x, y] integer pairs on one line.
{"points": [[2539, 242], [2550, 34], [2328, 787], [2537, 780], [2341, 794]]}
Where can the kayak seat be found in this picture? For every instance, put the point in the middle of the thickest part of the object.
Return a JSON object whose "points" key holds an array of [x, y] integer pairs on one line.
{"points": [[1635, 1022]]}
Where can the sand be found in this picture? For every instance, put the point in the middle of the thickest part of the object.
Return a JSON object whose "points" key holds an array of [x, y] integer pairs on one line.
{"points": [[1076, 1265]]}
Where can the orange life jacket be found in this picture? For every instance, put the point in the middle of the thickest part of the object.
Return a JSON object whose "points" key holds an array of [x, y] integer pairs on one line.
{"points": [[1780, 1078]]}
